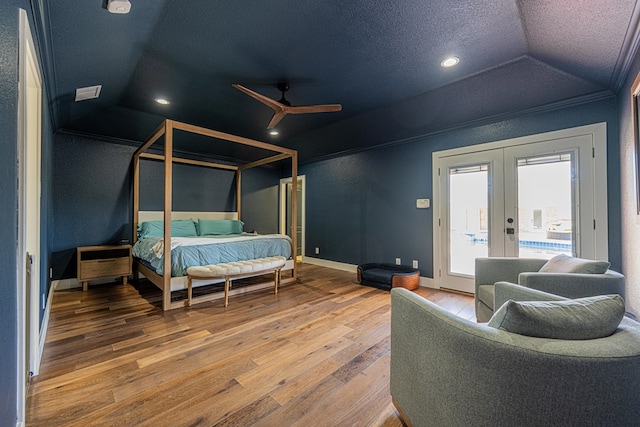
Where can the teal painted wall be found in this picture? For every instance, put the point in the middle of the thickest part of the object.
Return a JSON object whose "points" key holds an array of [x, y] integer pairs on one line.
{"points": [[361, 207], [9, 197]]}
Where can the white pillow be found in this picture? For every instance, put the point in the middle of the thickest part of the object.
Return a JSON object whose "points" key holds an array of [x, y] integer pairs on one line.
{"points": [[567, 264]]}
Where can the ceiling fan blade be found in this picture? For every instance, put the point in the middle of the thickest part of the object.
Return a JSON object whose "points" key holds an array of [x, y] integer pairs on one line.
{"points": [[282, 109], [278, 107], [324, 108], [279, 115]]}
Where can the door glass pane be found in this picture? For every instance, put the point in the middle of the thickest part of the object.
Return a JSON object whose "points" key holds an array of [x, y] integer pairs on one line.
{"points": [[545, 206], [468, 217]]}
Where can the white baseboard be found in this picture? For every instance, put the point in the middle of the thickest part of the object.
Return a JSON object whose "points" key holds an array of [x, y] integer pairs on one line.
{"points": [[426, 282], [73, 283], [330, 264], [63, 284]]}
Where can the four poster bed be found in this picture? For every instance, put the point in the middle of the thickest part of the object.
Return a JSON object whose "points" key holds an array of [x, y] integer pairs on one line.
{"points": [[203, 238]]}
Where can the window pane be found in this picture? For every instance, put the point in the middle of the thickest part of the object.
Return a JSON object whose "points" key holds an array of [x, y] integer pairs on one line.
{"points": [[545, 215], [468, 217]]}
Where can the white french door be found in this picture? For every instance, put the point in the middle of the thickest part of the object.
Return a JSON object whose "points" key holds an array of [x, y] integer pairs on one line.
{"points": [[532, 197], [472, 186]]}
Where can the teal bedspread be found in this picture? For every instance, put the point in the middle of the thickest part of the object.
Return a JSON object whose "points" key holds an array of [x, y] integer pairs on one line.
{"points": [[194, 251]]}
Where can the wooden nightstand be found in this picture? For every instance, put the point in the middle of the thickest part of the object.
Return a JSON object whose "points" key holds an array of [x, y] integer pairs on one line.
{"points": [[99, 262]]}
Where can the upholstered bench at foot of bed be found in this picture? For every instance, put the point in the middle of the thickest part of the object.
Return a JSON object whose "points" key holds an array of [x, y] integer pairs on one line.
{"points": [[235, 270], [387, 276]]}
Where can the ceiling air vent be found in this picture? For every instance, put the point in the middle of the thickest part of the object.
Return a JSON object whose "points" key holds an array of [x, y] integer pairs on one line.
{"points": [[89, 92]]}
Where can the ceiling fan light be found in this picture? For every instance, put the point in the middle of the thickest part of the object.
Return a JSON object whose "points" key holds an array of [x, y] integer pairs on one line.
{"points": [[450, 61]]}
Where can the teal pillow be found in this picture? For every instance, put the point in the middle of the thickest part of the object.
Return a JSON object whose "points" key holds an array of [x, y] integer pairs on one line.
{"points": [[213, 227], [575, 319], [179, 228], [568, 264], [150, 229], [183, 228]]}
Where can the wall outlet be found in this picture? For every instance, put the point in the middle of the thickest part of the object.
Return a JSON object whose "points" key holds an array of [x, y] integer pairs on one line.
{"points": [[398, 261], [415, 263], [317, 251]]}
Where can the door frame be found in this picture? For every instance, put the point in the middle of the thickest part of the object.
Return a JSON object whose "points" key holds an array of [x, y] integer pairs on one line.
{"points": [[302, 184], [598, 134], [29, 198]]}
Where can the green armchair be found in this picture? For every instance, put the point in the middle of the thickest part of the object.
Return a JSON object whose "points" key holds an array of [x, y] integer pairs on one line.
{"points": [[526, 272], [447, 371]]}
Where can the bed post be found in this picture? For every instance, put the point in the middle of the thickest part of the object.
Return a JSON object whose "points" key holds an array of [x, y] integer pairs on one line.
{"points": [[168, 195], [136, 197], [239, 193], [136, 183], [294, 210]]}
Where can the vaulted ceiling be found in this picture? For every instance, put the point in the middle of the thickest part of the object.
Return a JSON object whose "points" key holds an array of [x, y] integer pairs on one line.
{"points": [[380, 59]]}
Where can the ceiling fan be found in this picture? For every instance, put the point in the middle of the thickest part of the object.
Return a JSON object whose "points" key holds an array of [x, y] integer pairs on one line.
{"points": [[284, 107]]}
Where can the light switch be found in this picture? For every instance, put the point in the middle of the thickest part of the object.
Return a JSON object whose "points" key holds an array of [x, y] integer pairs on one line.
{"points": [[423, 203]]}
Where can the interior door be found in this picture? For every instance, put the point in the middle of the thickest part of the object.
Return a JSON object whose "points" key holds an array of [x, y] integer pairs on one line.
{"points": [[29, 194], [286, 214], [527, 200], [289, 216]]}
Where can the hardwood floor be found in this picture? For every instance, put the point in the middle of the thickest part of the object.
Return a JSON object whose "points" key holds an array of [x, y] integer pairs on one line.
{"points": [[317, 354]]}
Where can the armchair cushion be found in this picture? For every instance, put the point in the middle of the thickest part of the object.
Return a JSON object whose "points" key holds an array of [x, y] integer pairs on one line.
{"points": [[578, 319], [505, 291], [567, 264]]}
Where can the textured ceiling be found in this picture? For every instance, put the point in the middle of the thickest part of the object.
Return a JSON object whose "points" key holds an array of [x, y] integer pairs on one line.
{"points": [[379, 58]]}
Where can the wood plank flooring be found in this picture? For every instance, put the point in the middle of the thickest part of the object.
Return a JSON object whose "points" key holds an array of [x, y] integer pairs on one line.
{"points": [[317, 354]]}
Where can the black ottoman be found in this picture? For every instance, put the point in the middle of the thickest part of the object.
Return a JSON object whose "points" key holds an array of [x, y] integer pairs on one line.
{"points": [[387, 276]]}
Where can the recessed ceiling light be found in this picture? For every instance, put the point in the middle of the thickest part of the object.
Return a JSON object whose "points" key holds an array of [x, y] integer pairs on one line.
{"points": [[118, 6], [450, 61], [162, 101], [274, 133]]}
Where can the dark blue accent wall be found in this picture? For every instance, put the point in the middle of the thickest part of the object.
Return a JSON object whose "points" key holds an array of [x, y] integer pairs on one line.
{"points": [[195, 188], [260, 202], [361, 207], [8, 208], [92, 203]]}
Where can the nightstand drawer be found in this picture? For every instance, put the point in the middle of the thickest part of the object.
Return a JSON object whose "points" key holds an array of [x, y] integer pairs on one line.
{"points": [[100, 262], [99, 268]]}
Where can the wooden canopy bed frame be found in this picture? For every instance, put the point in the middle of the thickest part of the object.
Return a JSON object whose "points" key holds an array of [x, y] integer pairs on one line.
{"points": [[166, 130]]}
